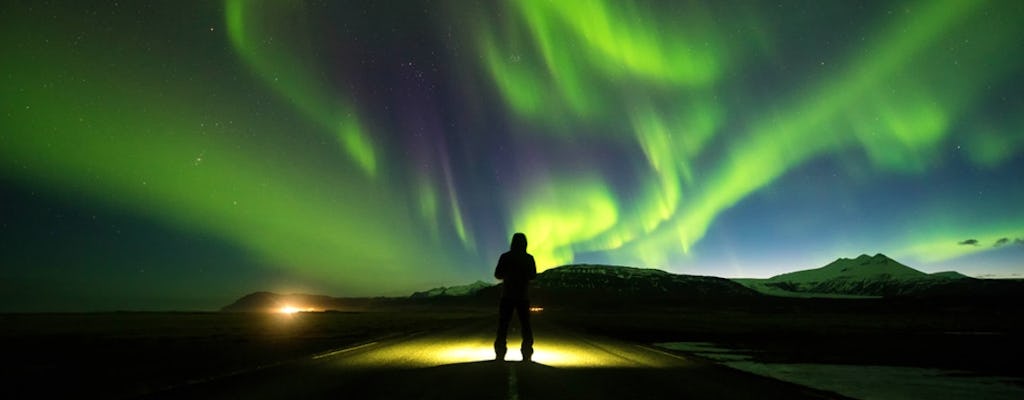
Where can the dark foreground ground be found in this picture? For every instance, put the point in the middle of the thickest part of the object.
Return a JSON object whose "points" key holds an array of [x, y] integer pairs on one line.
{"points": [[442, 353], [981, 339], [457, 364]]}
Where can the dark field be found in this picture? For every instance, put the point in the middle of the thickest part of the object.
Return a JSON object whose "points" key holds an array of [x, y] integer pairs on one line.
{"points": [[128, 354], [984, 340], [131, 354]]}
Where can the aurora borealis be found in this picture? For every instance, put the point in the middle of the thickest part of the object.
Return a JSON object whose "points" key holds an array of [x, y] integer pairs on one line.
{"points": [[180, 154]]}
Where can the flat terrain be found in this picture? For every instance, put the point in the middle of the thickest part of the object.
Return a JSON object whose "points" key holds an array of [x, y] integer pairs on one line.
{"points": [[976, 339], [445, 352], [119, 355]]}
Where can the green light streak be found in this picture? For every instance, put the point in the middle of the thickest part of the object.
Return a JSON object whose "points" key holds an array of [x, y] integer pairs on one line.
{"points": [[568, 59], [78, 131], [460, 226], [427, 196], [580, 58], [890, 100], [264, 36], [105, 124], [620, 38], [561, 213], [518, 85], [902, 135], [669, 147], [991, 146]]}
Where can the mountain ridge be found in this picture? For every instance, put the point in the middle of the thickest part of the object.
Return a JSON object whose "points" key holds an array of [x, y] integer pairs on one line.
{"points": [[460, 290], [595, 285], [863, 276]]}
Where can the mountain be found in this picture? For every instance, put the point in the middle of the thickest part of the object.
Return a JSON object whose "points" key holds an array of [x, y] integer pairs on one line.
{"points": [[571, 285], [616, 286], [949, 275], [274, 302], [463, 290], [605, 286], [864, 276], [267, 302]]}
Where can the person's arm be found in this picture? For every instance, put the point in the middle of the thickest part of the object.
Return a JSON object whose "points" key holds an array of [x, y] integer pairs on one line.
{"points": [[531, 271], [499, 271]]}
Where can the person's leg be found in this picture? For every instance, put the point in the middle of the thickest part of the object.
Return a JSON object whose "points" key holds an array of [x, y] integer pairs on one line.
{"points": [[504, 316], [523, 309]]}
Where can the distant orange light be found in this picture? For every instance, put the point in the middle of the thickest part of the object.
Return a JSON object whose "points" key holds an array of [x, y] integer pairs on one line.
{"points": [[536, 309], [293, 310]]}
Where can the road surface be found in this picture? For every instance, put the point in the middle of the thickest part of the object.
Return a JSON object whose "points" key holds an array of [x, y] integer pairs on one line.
{"points": [[458, 364]]}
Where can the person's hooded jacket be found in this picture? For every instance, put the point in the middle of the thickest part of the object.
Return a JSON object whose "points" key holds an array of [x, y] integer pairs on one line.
{"points": [[516, 268]]}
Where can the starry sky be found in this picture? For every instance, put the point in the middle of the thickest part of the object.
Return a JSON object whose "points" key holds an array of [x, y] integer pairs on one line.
{"points": [[177, 155]]}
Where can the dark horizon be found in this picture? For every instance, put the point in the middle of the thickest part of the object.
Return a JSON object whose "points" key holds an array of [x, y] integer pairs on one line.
{"points": [[220, 304]]}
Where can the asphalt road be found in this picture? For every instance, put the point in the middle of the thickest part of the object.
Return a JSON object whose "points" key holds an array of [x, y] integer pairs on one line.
{"points": [[458, 364]]}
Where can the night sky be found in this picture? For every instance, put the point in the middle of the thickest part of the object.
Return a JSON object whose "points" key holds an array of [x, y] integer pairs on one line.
{"points": [[177, 155]]}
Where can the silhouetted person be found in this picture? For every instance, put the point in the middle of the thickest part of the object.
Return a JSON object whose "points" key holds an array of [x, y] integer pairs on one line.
{"points": [[516, 268]]}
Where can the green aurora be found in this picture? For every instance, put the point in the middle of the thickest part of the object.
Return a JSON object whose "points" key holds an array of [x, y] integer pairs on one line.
{"points": [[366, 149]]}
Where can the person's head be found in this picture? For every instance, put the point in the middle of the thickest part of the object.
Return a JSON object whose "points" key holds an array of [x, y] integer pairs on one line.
{"points": [[518, 242]]}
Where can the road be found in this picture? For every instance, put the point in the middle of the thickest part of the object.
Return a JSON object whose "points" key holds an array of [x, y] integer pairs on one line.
{"points": [[458, 364]]}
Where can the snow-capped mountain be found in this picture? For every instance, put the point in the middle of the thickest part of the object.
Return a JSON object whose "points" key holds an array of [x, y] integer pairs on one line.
{"points": [[463, 290], [864, 276]]}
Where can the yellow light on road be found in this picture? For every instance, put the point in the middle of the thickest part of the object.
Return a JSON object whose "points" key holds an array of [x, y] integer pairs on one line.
{"points": [[536, 309], [430, 351]]}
